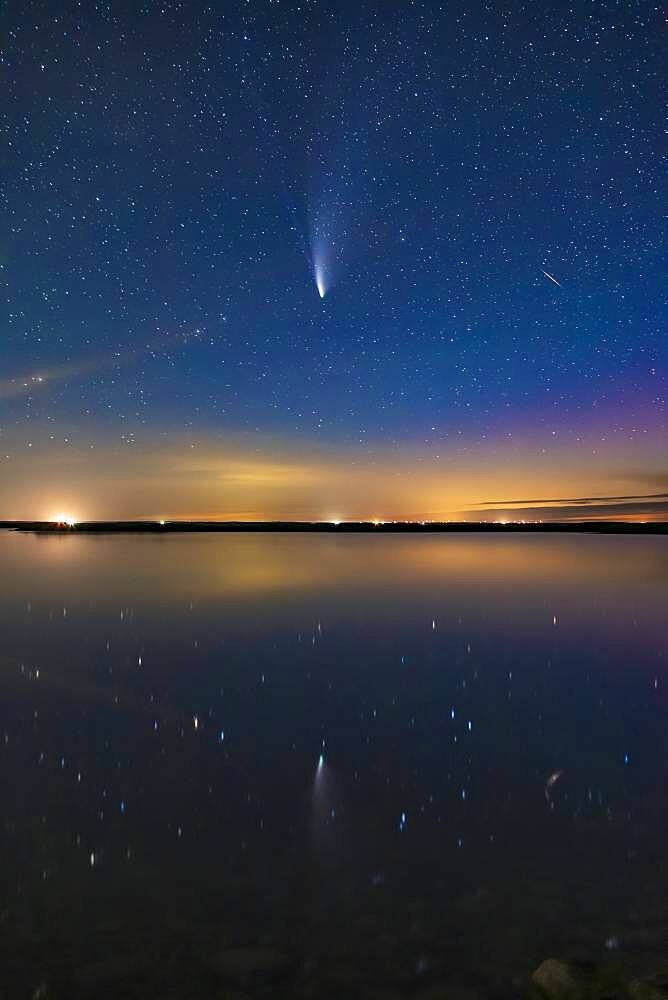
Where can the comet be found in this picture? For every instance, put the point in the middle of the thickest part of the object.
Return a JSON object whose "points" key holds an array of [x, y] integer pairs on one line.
{"points": [[320, 283], [551, 278], [323, 262]]}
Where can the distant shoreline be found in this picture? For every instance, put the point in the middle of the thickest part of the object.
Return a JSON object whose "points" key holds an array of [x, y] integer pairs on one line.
{"points": [[340, 528]]}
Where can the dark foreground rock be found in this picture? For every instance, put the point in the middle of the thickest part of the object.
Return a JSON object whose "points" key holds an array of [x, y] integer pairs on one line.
{"points": [[558, 980], [653, 988]]}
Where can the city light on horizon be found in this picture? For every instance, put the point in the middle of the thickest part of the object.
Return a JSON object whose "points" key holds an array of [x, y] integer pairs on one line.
{"points": [[62, 518]]}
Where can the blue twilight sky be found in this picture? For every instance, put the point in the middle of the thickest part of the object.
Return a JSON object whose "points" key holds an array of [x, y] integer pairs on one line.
{"points": [[285, 252]]}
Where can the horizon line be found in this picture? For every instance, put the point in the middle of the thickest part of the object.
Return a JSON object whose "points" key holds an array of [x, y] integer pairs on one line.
{"points": [[341, 526]]}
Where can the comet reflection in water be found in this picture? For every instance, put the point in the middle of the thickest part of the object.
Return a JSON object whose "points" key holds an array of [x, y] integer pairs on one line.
{"points": [[322, 794], [352, 751]]}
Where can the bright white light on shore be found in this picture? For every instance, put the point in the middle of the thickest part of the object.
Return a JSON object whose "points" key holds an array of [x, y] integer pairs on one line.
{"points": [[62, 518], [161, 523]]}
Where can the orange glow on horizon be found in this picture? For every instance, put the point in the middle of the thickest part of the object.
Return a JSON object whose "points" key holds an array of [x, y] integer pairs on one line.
{"points": [[246, 478]]}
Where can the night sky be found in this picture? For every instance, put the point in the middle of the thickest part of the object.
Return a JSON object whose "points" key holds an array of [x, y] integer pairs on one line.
{"points": [[331, 259]]}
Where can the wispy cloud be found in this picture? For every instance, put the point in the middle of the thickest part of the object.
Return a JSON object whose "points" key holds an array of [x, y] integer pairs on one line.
{"points": [[26, 385], [637, 510], [575, 500], [38, 379], [630, 506]]}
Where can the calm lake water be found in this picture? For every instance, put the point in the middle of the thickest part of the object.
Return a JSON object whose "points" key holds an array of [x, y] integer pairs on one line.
{"points": [[316, 766]]}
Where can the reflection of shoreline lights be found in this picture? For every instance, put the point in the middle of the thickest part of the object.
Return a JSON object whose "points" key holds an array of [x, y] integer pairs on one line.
{"points": [[64, 520]]}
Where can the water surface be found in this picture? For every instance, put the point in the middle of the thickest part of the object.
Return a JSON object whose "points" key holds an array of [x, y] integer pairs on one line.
{"points": [[385, 766]]}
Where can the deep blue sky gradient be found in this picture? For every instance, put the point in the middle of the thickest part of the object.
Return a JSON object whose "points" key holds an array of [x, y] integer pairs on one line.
{"points": [[167, 168]]}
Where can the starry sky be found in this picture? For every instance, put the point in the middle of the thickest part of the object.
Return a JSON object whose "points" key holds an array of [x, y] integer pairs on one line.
{"points": [[314, 259]]}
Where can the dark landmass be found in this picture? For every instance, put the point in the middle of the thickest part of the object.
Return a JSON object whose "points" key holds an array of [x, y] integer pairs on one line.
{"points": [[343, 527]]}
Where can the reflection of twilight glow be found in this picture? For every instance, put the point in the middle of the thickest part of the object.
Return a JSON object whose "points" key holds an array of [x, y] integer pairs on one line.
{"points": [[331, 724]]}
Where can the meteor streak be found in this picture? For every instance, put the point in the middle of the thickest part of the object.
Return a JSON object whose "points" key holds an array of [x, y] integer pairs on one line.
{"points": [[551, 278]]}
